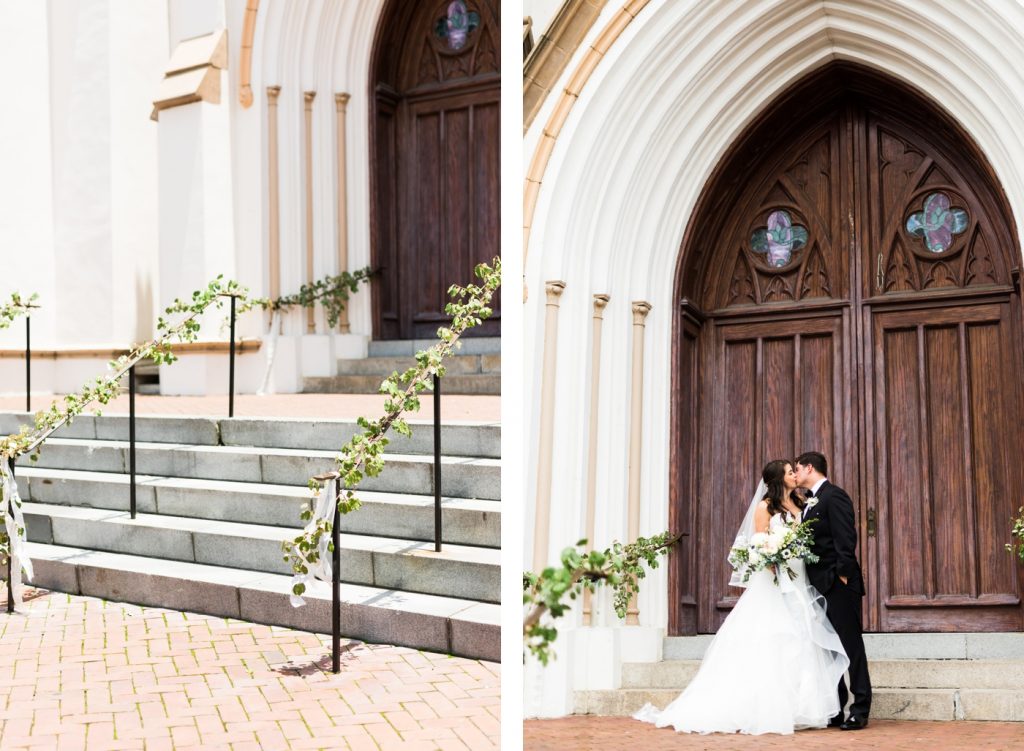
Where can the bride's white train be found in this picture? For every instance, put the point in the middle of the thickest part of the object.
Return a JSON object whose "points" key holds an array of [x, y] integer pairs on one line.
{"points": [[774, 665]]}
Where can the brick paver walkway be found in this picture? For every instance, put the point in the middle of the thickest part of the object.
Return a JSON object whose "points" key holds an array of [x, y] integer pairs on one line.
{"points": [[618, 733], [82, 673], [325, 406]]}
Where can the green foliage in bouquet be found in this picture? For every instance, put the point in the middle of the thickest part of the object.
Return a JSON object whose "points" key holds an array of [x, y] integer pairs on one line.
{"points": [[774, 550], [552, 591]]}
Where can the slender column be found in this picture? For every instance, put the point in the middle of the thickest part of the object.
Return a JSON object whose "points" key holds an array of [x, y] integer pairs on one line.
{"points": [[636, 422], [600, 301], [274, 208], [542, 522], [309, 96], [340, 103]]}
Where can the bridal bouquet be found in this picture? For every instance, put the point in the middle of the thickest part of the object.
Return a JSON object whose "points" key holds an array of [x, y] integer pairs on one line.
{"points": [[775, 549]]}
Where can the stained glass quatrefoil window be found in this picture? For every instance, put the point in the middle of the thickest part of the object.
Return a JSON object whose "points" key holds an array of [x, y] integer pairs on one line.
{"points": [[937, 223], [456, 25], [780, 239]]}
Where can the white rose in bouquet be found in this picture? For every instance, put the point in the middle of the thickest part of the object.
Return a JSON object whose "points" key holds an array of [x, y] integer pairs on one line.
{"points": [[758, 539]]}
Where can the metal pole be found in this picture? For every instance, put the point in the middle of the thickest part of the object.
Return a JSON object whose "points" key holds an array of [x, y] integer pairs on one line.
{"points": [[336, 583], [10, 550], [437, 463], [231, 364], [131, 434], [28, 364]]}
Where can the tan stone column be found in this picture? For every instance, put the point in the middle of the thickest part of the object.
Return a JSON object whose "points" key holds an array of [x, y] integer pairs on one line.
{"points": [[340, 104], [636, 424], [273, 195], [542, 522], [600, 301], [309, 96]]}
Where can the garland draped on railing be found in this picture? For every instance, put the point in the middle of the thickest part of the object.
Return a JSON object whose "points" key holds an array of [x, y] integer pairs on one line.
{"points": [[619, 567], [16, 307], [29, 439], [332, 292], [363, 455]]}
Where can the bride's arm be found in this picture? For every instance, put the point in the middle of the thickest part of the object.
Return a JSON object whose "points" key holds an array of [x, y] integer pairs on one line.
{"points": [[761, 517]]}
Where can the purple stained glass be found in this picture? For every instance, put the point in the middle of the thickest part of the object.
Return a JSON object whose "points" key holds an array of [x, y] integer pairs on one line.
{"points": [[779, 239], [937, 223], [456, 26]]}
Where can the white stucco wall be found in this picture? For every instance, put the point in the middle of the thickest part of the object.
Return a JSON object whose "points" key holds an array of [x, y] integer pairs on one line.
{"points": [[660, 110]]}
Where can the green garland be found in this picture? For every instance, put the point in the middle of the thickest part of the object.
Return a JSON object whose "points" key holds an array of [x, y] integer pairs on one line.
{"points": [[620, 567], [363, 455], [332, 292], [1016, 546], [16, 307]]}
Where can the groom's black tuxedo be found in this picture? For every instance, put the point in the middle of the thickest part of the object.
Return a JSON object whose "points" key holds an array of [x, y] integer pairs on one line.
{"points": [[835, 544], [835, 541]]}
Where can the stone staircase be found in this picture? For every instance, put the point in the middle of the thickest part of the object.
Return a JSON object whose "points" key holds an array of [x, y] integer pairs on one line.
{"points": [[217, 497], [914, 677], [476, 369]]}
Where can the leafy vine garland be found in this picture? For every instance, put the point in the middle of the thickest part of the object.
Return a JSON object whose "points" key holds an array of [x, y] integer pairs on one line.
{"points": [[9, 311], [332, 292], [620, 567], [363, 455]]}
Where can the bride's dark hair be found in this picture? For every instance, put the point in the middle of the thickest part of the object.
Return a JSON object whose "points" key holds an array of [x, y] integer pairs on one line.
{"points": [[773, 474]]}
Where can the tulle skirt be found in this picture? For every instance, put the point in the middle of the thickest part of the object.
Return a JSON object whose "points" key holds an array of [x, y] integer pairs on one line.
{"points": [[773, 667]]}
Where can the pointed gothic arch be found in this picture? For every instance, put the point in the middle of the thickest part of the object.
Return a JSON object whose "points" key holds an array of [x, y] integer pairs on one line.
{"points": [[849, 281]]}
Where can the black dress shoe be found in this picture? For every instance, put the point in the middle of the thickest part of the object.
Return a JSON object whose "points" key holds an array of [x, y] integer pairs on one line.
{"points": [[836, 721], [854, 723]]}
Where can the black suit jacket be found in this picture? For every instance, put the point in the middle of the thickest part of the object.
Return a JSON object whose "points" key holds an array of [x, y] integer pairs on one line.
{"points": [[835, 541]]}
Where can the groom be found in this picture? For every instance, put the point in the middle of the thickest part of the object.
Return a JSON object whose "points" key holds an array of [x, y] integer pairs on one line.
{"points": [[837, 576]]}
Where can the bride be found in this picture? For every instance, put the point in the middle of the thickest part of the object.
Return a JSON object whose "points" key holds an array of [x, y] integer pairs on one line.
{"points": [[775, 663]]}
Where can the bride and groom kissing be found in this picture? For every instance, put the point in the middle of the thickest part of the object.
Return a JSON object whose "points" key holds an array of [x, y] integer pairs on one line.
{"points": [[777, 663]]}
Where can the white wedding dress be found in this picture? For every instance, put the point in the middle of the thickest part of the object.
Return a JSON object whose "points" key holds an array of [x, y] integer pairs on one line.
{"points": [[773, 667]]}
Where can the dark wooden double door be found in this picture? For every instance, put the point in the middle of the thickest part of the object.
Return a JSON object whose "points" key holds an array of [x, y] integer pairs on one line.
{"points": [[882, 340], [436, 128]]}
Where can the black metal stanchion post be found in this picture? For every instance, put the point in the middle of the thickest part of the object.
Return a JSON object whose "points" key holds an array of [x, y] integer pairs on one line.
{"points": [[437, 463], [28, 364], [336, 582], [131, 435], [231, 363], [10, 550]]}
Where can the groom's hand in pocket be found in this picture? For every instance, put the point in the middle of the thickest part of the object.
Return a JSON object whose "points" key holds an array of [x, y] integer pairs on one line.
{"points": [[843, 579]]}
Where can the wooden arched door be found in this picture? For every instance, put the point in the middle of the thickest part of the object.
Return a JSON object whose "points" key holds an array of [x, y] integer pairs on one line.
{"points": [[435, 126], [850, 284]]}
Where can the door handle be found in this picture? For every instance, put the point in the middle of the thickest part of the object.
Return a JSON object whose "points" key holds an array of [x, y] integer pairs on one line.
{"points": [[872, 523], [879, 275]]}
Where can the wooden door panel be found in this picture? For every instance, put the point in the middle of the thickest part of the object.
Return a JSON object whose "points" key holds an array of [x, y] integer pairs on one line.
{"points": [[765, 371], [945, 485]]}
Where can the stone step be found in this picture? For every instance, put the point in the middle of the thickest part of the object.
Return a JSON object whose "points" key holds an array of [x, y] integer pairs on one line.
{"points": [[464, 521], [439, 624], [457, 571], [385, 366], [923, 646], [461, 477], [470, 345], [480, 383], [887, 703], [457, 438], [901, 674]]}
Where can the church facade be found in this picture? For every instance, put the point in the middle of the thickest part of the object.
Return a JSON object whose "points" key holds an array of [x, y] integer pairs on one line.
{"points": [[757, 229], [158, 144]]}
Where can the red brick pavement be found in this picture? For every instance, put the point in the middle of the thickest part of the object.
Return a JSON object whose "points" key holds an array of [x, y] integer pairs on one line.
{"points": [[326, 406], [618, 733], [82, 673]]}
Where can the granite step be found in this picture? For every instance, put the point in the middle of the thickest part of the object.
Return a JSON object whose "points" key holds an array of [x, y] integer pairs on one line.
{"points": [[456, 571], [464, 521], [469, 345], [421, 621], [887, 703], [475, 439], [473, 384], [462, 477], [386, 365]]}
